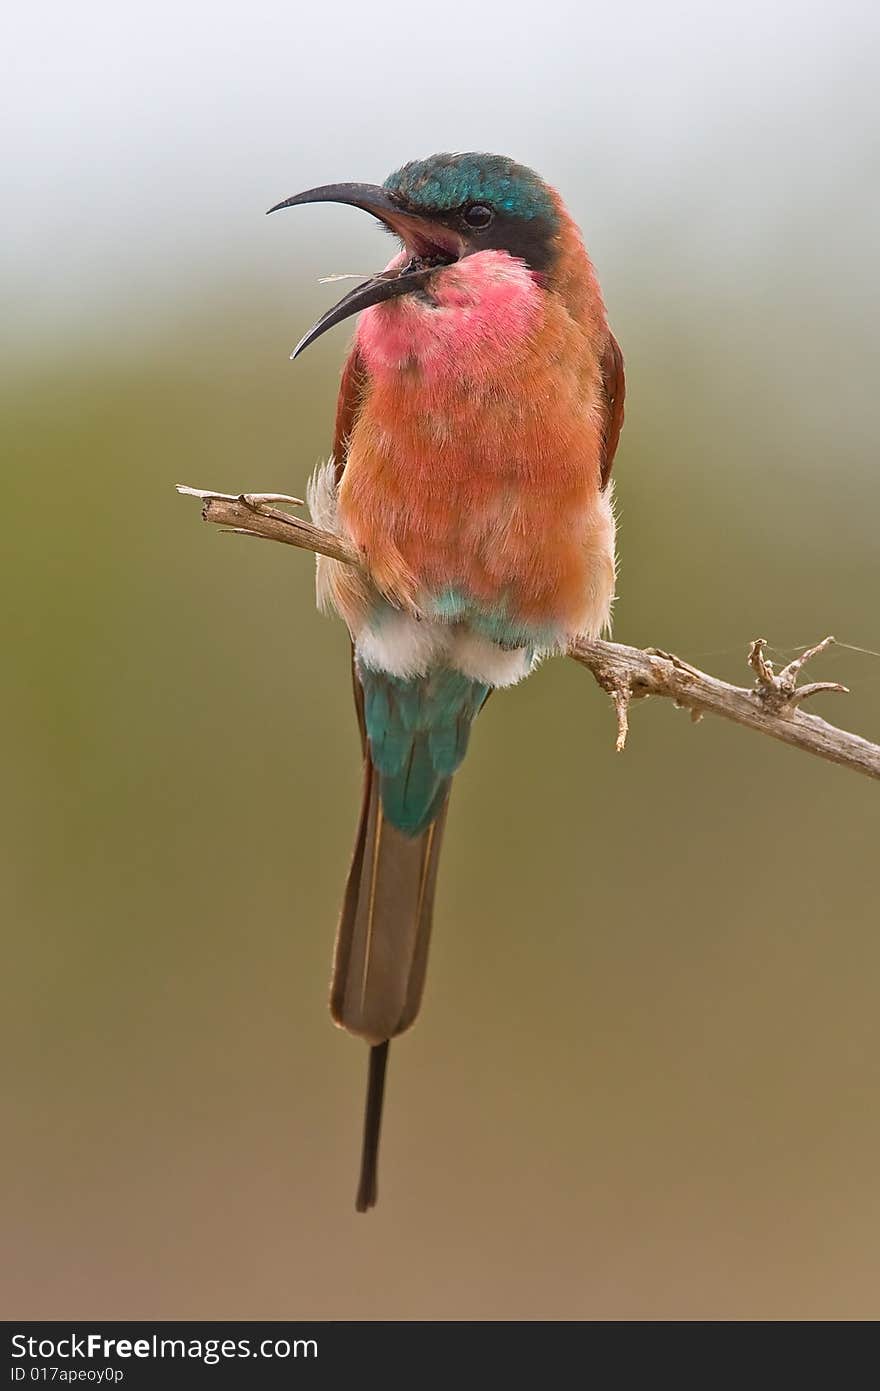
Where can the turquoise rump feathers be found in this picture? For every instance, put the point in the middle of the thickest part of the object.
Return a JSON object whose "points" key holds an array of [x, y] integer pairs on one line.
{"points": [[418, 728]]}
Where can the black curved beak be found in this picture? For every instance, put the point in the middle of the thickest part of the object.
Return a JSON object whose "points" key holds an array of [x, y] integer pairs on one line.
{"points": [[371, 197], [426, 240]]}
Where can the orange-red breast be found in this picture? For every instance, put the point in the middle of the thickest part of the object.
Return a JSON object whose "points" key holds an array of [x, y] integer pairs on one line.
{"points": [[479, 413]]}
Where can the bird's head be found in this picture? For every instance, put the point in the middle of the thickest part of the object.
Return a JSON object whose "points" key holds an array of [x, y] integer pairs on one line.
{"points": [[444, 209]]}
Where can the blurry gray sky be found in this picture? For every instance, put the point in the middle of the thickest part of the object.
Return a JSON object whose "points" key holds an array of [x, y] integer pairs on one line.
{"points": [[142, 142]]}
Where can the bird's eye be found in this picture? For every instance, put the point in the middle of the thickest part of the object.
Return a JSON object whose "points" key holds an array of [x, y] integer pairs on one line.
{"points": [[478, 216]]}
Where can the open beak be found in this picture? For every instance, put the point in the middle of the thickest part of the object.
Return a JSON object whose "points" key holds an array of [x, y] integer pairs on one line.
{"points": [[430, 244]]}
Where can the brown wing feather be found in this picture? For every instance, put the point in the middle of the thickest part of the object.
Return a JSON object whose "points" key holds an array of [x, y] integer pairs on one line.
{"points": [[351, 394], [614, 383]]}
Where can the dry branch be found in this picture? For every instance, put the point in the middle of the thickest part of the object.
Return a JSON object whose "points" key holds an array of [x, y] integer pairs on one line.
{"points": [[626, 673]]}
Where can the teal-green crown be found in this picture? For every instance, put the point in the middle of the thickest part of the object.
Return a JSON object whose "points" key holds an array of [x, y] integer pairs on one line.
{"points": [[449, 181]]}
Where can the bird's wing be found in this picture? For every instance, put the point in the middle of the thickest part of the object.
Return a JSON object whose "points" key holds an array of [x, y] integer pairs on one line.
{"points": [[351, 394], [614, 382]]}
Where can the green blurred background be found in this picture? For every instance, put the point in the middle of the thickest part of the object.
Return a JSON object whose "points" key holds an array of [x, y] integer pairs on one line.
{"points": [[645, 1081]]}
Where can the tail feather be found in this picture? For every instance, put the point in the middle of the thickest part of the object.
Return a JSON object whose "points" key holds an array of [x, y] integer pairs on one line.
{"points": [[385, 926], [382, 948], [368, 1186], [414, 733]]}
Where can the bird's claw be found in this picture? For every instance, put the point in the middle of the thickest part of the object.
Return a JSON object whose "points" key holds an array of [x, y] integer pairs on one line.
{"points": [[263, 502]]}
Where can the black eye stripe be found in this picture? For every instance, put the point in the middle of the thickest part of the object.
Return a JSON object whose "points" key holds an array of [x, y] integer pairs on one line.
{"points": [[477, 216]]}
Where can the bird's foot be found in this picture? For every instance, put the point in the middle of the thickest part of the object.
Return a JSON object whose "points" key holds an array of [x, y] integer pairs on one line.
{"points": [[263, 502], [257, 502], [392, 578]]}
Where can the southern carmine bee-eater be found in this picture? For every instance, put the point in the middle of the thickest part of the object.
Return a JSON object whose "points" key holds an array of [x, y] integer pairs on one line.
{"points": [[480, 409]]}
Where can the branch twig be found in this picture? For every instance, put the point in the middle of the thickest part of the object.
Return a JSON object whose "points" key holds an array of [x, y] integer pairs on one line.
{"points": [[626, 673]]}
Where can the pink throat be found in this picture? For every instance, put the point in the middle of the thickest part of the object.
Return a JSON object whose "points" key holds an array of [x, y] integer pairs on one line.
{"points": [[476, 313]]}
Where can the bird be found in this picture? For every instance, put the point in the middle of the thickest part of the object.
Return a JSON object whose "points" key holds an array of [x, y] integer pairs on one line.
{"points": [[479, 412]]}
